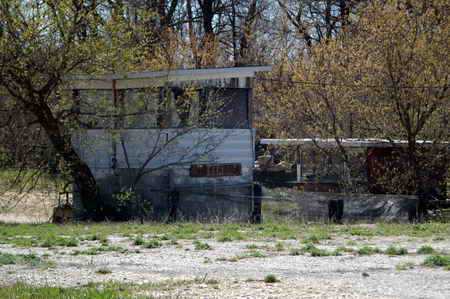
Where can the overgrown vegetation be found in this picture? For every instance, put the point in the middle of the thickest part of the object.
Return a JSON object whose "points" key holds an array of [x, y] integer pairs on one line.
{"points": [[271, 278], [24, 259], [426, 249], [437, 261], [50, 235]]}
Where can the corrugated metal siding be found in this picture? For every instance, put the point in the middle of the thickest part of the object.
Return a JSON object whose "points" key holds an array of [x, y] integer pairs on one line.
{"points": [[96, 148]]}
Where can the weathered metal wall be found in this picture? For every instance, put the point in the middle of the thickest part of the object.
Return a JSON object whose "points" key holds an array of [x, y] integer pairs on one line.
{"points": [[115, 156], [318, 206]]}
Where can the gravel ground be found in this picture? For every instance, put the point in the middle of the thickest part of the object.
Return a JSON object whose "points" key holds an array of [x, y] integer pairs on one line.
{"points": [[303, 276]]}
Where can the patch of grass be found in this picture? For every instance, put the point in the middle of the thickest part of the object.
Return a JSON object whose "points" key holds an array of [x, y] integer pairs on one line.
{"points": [[139, 241], [198, 245], [295, 252], [99, 250], [316, 252], [405, 266], [256, 253], [426, 249], [230, 235], [316, 238], [437, 261], [279, 246], [252, 246], [23, 291], [393, 250], [368, 250], [271, 278], [153, 243], [103, 271], [345, 249], [60, 241], [22, 259]]}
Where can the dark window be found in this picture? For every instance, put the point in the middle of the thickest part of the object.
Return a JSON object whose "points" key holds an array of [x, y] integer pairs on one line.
{"points": [[215, 170]]}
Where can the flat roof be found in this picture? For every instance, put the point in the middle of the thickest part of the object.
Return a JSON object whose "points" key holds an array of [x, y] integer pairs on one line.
{"points": [[345, 142], [159, 78]]}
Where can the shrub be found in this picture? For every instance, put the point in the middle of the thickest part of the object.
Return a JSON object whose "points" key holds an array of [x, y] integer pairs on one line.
{"points": [[251, 246], [437, 261], [13, 259], [426, 249], [152, 244], [139, 241], [256, 254], [392, 250], [270, 278], [198, 245], [367, 250]]}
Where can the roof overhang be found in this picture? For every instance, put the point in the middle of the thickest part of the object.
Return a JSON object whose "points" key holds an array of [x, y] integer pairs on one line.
{"points": [[160, 78], [346, 142]]}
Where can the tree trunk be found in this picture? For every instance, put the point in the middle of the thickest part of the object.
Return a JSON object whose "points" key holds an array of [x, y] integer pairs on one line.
{"points": [[78, 169]]}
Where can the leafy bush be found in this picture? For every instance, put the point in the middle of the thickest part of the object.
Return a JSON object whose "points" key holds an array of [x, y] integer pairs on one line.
{"points": [[426, 249], [437, 261], [13, 259], [139, 241], [152, 244], [392, 250], [270, 278], [201, 245], [367, 250]]}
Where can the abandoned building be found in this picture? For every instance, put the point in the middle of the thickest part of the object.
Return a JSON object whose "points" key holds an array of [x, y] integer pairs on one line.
{"points": [[369, 187], [181, 140]]}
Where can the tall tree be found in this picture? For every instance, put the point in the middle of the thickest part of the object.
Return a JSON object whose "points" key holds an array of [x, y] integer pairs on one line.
{"points": [[40, 43]]}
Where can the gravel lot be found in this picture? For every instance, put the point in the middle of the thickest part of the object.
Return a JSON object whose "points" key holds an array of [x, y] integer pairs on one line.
{"points": [[302, 276]]}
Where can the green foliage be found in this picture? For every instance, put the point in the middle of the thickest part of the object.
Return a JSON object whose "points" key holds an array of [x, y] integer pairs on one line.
{"points": [[229, 235], [251, 246], [271, 278], [100, 249], [198, 245], [368, 250], [316, 238], [33, 235], [139, 241], [317, 252], [392, 250], [426, 249], [256, 253], [437, 261], [60, 241], [23, 291], [153, 243], [23, 259]]}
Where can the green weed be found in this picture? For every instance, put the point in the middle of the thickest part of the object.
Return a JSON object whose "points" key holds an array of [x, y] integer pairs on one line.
{"points": [[437, 261], [392, 250], [198, 245], [271, 278], [426, 249]]}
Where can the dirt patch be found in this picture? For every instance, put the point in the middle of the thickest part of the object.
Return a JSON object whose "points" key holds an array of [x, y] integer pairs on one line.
{"points": [[33, 207]]}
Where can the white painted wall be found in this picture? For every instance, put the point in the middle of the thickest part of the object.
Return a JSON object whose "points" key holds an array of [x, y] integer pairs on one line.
{"points": [[96, 148]]}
